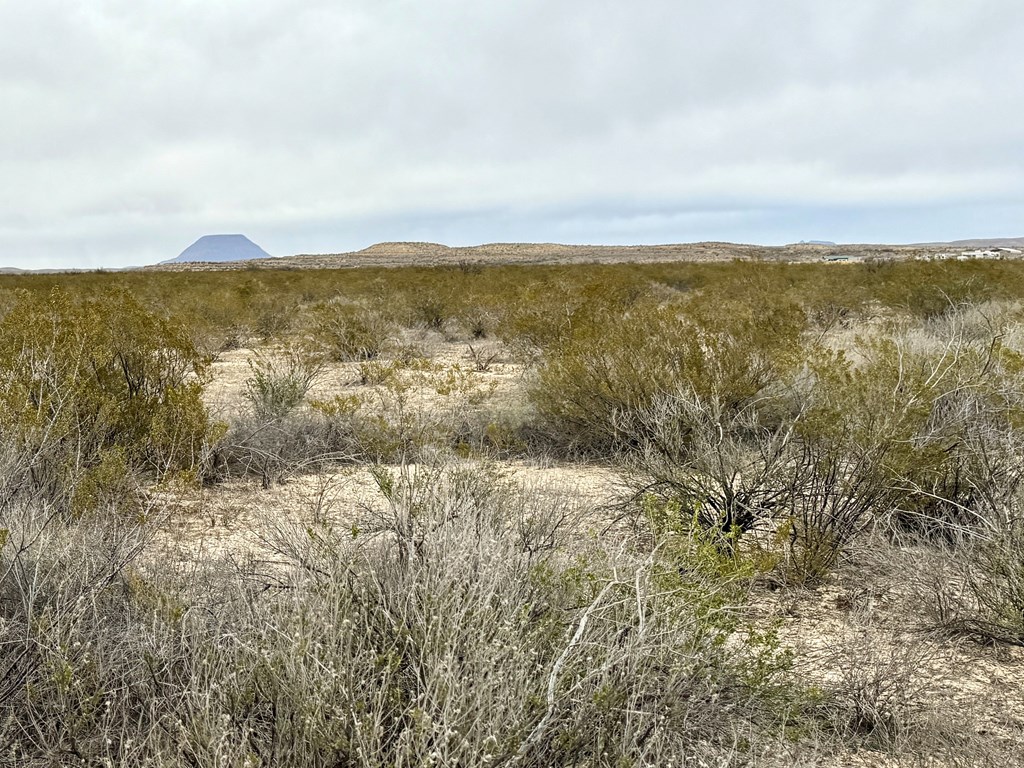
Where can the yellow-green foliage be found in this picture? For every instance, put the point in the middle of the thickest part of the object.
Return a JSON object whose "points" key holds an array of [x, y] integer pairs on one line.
{"points": [[346, 330], [729, 556], [711, 571], [917, 417], [591, 386], [607, 338], [279, 383], [549, 310], [92, 389], [529, 305]]}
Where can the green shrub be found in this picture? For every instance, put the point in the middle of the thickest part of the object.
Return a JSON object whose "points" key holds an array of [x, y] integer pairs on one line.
{"points": [[929, 418], [591, 387], [910, 429], [280, 382], [88, 384], [544, 314], [351, 331], [930, 300]]}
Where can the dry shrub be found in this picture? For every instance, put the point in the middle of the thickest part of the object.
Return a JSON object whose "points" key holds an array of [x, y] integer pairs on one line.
{"points": [[302, 442], [478, 322], [879, 691], [414, 409], [277, 437], [68, 658], [975, 586], [881, 695], [442, 635]]}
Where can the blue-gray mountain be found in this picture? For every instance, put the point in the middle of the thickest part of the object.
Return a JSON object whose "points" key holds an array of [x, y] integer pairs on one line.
{"points": [[221, 248]]}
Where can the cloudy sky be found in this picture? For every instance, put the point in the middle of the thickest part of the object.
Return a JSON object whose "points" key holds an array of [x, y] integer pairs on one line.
{"points": [[131, 127]]}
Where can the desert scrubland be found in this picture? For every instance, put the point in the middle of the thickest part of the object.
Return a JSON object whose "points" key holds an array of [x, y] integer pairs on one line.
{"points": [[658, 514]]}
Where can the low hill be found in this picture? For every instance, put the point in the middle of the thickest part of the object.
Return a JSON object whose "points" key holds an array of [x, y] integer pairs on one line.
{"points": [[403, 254]]}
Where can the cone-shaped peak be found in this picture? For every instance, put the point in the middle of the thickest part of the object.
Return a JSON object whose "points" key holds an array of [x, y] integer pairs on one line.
{"points": [[222, 248]]}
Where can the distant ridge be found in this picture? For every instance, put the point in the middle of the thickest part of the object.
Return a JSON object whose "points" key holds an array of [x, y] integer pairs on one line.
{"points": [[402, 254], [220, 248], [991, 242]]}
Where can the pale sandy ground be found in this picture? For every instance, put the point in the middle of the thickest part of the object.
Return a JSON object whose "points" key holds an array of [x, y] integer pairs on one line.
{"points": [[963, 684], [502, 378], [232, 518], [853, 628]]}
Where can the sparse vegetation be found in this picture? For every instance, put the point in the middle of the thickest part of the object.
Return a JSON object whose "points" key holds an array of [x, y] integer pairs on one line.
{"points": [[761, 425]]}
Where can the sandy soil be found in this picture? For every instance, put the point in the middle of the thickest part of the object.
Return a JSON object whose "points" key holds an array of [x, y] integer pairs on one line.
{"points": [[866, 624]]}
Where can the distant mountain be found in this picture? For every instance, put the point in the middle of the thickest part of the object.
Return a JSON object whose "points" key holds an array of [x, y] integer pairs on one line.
{"points": [[217, 248], [816, 242], [991, 242]]}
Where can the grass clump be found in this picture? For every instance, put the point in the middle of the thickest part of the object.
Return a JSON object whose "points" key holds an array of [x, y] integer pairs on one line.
{"points": [[276, 437], [975, 586]]}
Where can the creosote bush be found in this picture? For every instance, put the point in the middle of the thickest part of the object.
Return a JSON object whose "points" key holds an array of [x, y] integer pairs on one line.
{"points": [[351, 331], [590, 386], [912, 429], [93, 390], [280, 382]]}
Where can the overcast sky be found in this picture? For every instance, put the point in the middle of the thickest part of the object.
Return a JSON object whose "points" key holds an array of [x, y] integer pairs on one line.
{"points": [[131, 127]]}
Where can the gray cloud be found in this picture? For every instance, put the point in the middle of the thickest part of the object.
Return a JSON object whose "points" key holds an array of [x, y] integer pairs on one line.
{"points": [[131, 127]]}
